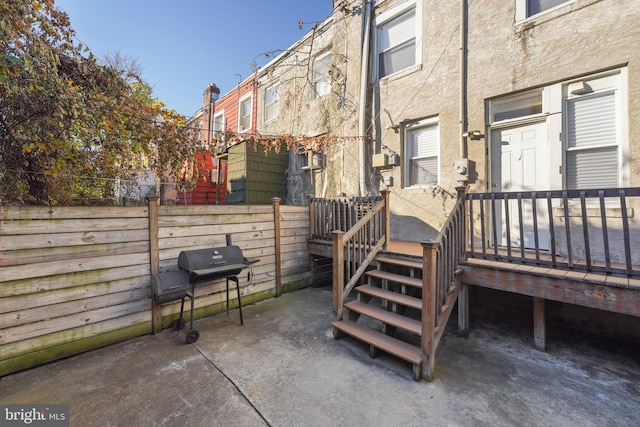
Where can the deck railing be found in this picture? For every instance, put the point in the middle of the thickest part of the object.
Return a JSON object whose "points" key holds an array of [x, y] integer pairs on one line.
{"points": [[584, 230], [358, 229], [338, 214], [440, 281]]}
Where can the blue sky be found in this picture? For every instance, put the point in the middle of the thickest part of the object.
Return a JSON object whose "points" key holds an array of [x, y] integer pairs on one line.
{"points": [[184, 45]]}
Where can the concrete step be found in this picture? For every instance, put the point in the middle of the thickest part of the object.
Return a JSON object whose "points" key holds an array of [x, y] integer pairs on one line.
{"points": [[385, 316], [396, 278], [380, 341], [390, 296]]}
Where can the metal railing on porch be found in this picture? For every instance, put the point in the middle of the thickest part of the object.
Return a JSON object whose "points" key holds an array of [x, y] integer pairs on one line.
{"points": [[583, 230]]}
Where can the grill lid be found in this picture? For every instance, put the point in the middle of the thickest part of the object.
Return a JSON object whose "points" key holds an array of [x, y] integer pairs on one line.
{"points": [[212, 263]]}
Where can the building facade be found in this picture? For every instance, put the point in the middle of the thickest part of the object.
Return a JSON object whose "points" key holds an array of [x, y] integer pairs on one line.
{"points": [[419, 96]]}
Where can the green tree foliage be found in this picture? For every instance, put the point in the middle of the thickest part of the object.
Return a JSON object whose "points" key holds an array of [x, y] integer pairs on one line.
{"points": [[69, 125]]}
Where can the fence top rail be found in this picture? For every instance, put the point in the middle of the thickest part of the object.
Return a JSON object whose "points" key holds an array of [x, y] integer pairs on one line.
{"points": [[557, 194]]}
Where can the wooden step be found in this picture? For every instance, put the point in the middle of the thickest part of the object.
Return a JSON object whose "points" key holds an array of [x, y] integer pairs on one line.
{"points": [[387, 317], [379, 340], [396, 278], [390, 296], [399, 262]]}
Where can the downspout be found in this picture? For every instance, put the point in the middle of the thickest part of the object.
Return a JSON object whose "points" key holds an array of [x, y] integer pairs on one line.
{"points": [[364, 79], [463, 78]]}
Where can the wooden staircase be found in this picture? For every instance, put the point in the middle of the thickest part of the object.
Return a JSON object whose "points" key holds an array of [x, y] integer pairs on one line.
{"points": [[386, 312]]}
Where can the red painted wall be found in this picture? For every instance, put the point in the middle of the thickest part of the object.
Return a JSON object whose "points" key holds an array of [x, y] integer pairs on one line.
{"points": [[205, 190]]}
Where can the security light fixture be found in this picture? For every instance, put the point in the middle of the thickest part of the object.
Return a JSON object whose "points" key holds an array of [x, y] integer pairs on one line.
{"points": [[474, 135]]}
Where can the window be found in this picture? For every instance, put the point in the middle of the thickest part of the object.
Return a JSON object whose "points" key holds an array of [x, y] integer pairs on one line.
{"points": [[321, 76], [580, 126], [528, 8], [244, 114], [396, 43], [219, 125], [591, 141], [516, 106], [538, 6], [422, 147], [271, 102]]}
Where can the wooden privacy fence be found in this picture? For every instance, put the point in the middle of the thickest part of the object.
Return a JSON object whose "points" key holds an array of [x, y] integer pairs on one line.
{"points": [[74, 279]]}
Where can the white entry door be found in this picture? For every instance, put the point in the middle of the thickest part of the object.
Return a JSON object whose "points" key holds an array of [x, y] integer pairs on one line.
{"points": [[520, 162]]}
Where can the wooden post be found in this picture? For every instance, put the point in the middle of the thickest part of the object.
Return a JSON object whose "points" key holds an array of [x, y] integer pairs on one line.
{"points": [[387, 219], [276, 226], [463, 296], [539, 324], [154, 256], [338, 272], [429, 312], [312, 218]]}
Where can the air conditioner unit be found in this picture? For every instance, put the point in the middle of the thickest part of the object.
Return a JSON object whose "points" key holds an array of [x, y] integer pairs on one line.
{"points": [[313, 160]]}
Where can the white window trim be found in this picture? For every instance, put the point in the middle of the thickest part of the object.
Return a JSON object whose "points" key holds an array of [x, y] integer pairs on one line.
{"points": [[387, 16], [218, 117], [615, 81], [240, 102], [554, 97], [317, 77], [406, 166], [275, 102]]}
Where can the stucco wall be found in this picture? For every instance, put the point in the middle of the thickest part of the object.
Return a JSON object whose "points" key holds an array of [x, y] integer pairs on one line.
{"points": [[505, 56]]}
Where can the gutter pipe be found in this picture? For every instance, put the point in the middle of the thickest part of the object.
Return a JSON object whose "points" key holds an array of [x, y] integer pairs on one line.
{"points": [[463, 77], [364, 78]]}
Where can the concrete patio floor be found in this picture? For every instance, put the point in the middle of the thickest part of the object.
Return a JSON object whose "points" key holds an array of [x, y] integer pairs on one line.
{"points": [[283, 368]]}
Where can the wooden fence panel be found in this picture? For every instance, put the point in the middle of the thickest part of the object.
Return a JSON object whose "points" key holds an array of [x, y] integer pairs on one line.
{"points": [[65, 271], [77, 278]]}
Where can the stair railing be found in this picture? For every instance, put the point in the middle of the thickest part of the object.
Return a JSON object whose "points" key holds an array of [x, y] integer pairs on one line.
{"points": [[355, 249], [440, 281]]}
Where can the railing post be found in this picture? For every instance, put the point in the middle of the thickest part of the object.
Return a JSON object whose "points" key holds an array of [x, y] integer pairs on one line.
{"points": [[154, 256], [429, 311], [312, 217], [462, 195], [338, 272], [463, 295], [386, 218], [276, 226]]}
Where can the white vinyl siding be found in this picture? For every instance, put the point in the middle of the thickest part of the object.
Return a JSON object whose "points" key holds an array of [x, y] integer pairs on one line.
{"points": [[396, 43], [422, 147], [271, 102], [592, 142]]}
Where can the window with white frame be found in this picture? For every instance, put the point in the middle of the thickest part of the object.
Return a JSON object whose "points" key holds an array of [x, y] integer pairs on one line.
{"points": [[528, 8], [321, 76], [592, 152], [245, 110], [219, 123], [588, 115], [271, 102], [422, 148], [396, 41]]}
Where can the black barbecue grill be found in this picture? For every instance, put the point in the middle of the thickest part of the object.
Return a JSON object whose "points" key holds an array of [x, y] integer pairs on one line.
{"points": [[203, 265]]}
